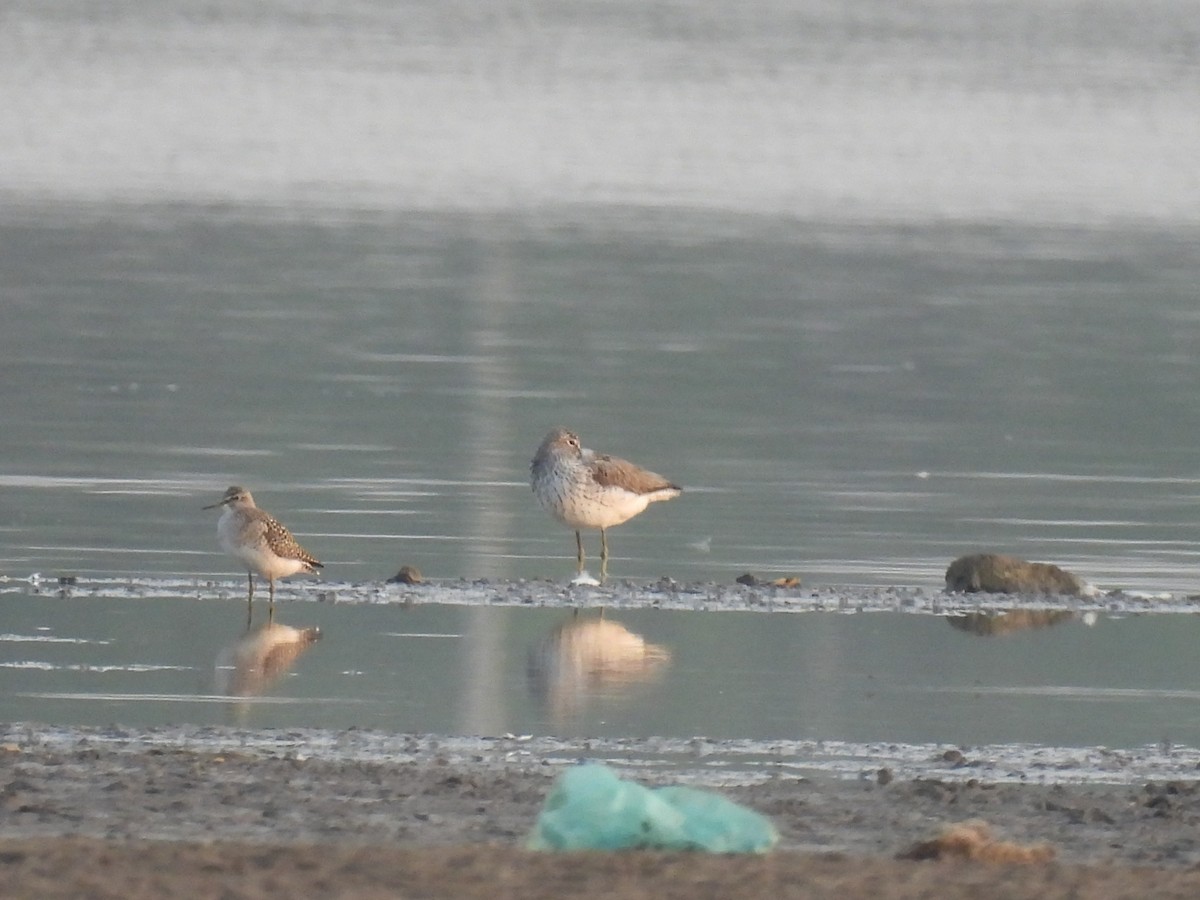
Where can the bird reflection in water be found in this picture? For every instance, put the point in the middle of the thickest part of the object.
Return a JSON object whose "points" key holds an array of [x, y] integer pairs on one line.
{"points": [[588, 657], [995, 624], [260, 657]]}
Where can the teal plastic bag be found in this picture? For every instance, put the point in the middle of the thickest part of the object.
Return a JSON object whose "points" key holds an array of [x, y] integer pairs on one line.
{"points": [[718, 825], [591, 808]]}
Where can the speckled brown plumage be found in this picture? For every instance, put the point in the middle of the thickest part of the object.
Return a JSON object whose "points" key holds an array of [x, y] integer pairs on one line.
{"points": [[260, 542]]}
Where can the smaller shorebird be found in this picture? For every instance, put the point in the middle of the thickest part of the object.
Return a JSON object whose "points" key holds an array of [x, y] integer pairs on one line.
{"points": [[583, 489], [259, 542]]}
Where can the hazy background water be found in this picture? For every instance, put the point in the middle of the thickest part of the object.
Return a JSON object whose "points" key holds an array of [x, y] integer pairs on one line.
{"points": [[879, 285]]}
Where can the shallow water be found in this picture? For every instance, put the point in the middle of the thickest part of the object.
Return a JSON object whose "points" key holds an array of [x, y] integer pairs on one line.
{"points": [[1052, 676]]}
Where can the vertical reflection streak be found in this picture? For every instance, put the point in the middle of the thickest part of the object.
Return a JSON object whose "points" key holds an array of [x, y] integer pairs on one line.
{"points": [[489, 442]]}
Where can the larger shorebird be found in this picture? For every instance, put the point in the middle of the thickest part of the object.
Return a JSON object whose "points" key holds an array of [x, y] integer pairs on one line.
{"points": [[583, 489], [261, 543]]}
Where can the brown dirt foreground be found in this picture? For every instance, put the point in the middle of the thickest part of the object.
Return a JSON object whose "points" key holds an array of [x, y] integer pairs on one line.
{"points": [[132, 870], [96, 823]]}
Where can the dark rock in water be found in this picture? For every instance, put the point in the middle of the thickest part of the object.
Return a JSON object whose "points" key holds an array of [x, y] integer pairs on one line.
{"points": [[406, 575], [998, 574]]}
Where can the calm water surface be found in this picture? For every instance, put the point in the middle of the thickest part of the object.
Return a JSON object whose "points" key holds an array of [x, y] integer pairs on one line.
{"points": [[849, 406], [1048, 678], [878, 287]]}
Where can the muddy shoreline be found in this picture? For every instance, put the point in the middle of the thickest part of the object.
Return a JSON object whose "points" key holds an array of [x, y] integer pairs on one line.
{"points": [[619, 594], [174, 793], [64, 801]]}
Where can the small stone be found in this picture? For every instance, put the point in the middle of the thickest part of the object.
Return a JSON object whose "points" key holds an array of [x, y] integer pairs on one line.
{"points": [[406, 575]]}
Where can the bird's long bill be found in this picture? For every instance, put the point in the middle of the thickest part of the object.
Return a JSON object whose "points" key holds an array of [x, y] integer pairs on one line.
{"points": [[214, 505]]}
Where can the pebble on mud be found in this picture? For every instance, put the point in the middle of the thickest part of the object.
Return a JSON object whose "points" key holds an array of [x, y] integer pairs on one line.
{"points": [[751, 580], [955, 758], [973, 841]]}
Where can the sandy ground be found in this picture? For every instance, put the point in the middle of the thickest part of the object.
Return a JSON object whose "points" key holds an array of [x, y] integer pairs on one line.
{"points": [[93, 821]]}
